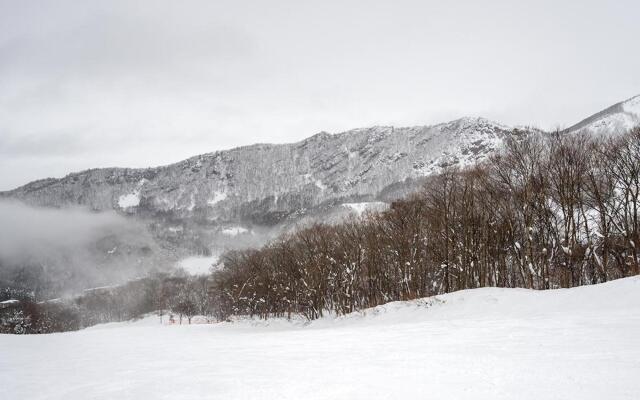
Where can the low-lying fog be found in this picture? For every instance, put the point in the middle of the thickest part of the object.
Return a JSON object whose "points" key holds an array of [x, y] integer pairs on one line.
{"points": [[53, 252]]}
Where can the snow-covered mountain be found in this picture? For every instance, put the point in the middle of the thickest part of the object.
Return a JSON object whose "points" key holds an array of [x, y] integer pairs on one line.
{"points": [[267, 185], [618, 118], [194, 204]]}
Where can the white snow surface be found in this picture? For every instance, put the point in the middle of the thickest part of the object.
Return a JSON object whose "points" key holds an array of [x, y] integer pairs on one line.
{"points": [[129, 200], [360, 208], [197, 265], [234, 231], [475, 344], [632, 106], [617, 119], [217, 198]]}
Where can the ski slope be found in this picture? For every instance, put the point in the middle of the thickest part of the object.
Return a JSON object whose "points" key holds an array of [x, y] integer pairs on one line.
{"points": [[581, 343]]}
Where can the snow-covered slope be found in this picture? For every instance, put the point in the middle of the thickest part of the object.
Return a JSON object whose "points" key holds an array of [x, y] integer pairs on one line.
{"points": [[618, 118], [196, 265], [476, 344], [192, 206], [267, 182]]}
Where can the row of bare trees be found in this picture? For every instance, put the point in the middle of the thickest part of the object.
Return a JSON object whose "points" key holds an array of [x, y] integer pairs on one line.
{"points": [[549, 211], [177, 294]]}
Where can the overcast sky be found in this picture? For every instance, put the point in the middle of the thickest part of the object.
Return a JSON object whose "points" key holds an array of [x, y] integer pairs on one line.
{"points": [[141, 83]]}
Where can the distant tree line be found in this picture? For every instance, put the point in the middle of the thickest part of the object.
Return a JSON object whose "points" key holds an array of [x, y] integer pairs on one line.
{"points": [[549, 211], [172, 294]]}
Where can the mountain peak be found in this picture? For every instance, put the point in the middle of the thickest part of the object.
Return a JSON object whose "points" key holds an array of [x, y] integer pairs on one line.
{"points": [[632, 104], [615, 119]]}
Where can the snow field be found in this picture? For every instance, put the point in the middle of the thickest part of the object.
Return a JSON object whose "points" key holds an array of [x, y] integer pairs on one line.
{"points": [[198, 265], [475, 344]]}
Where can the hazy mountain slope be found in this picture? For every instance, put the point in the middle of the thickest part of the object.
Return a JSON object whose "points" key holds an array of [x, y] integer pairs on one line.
{"points": [[618, 118], [264, 183], [46, 252]]}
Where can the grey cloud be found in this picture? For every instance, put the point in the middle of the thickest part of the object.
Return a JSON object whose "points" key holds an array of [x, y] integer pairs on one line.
{"points": [[29, 230], [135, 83]]}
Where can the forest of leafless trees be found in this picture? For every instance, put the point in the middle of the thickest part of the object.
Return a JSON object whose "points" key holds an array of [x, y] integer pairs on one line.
{"points": [[549, 211]]}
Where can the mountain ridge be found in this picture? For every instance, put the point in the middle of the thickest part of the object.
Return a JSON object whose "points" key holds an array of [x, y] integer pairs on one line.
{"points": [[619, 117], [261, 145], [457, 127], [270, 185]]}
